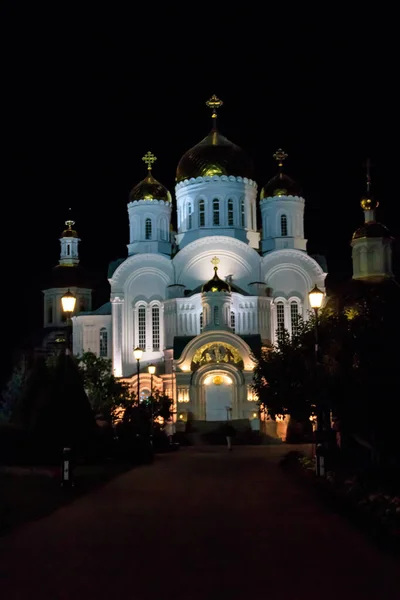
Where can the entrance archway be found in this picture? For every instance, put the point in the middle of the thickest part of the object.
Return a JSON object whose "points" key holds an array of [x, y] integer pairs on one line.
{"points": [[218, 393]]}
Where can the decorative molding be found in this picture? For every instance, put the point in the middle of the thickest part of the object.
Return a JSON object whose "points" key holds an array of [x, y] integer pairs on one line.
{"points": [[129, 265], [148, 202], [292, 252], [215, 178], [274, 199]]}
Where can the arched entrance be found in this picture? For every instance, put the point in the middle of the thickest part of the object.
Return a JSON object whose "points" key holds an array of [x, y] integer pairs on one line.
{"points": [[218, 393]]}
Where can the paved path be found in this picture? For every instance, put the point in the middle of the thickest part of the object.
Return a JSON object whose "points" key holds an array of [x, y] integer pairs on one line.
{"points": [[200, 523]]}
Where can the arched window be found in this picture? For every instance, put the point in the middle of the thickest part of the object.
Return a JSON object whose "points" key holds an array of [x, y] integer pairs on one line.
{"points": [[103, 342], [230, 213], [189, 209], [142, 327], [215, 211], [233, 321], [202, 219], [216, 315], [148, 229], [68, 250], [280, 319], [283, 225], [294, 317], [201, 322], [155, 317], [242, 214]]}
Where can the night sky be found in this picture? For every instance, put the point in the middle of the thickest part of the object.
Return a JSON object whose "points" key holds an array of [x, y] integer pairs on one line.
{"points": [[87, 94]]}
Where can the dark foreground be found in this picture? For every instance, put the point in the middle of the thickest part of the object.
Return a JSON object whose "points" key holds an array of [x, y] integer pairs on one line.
{"points": [[201, 523]]}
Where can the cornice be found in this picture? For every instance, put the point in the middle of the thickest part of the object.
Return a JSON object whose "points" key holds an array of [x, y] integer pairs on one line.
{"points": [[215, 178], [149, 203]]}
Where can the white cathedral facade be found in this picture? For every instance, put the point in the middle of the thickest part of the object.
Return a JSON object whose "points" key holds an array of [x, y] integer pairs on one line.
{"points": [[201, 301]]}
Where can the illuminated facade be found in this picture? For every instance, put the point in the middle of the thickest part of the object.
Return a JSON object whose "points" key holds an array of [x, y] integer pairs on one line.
{"points": [[200, 301]]}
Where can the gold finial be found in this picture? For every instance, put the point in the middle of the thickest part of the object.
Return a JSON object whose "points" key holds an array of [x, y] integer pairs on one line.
{"points": [[69, 224], [368, 168], [367, 201], [149, 158], [215, 261], [214, 103], [280, 156]]}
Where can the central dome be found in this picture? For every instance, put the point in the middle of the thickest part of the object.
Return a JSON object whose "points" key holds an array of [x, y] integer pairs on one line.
{"points": [[214, 155]]}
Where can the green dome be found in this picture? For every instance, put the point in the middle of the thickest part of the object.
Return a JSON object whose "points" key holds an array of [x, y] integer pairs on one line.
{"points": [[216, 284], [214, 155]]}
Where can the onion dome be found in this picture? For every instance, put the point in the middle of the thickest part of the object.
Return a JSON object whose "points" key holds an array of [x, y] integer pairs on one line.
{"points": [[216, 284], [149, 188], [214, 155], [69, 232], [371, 229], [281, 184]]}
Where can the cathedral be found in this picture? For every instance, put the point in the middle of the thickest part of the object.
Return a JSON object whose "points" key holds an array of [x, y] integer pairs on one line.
{"points": [[198, 303]]}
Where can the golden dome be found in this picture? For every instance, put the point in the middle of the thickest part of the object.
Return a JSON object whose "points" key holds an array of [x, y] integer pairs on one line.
{"points": [[214, 155], [280, 184], [369, 203], [69, 232], [149, 188], [216, 284]]}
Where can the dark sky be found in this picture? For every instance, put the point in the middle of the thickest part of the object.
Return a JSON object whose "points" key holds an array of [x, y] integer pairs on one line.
{"points": [[88, 93]]}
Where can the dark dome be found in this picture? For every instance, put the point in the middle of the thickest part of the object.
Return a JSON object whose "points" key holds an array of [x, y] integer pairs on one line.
{"points": [[371, 229], [214, 155], [280, 185], [216, 284], [150, 189], [69, 232]]}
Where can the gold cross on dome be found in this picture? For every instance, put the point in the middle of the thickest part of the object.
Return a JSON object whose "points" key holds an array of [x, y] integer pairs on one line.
{"points": [[280, 156], [214, 103], [215, 261], [149, 158]]}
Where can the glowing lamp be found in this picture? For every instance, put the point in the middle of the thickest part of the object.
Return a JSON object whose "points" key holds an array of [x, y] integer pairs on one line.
{"points": [[151, 368], [316, 297], [68, 302], [138, 353]]}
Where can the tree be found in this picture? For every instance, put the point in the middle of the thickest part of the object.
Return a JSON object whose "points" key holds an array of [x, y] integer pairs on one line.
{"points": [[107, 396], [14, 390]]}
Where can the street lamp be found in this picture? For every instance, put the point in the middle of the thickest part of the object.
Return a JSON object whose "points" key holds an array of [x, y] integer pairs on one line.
{"points": [[68, 302], [137, 353], [316, 298], [151, 369]]}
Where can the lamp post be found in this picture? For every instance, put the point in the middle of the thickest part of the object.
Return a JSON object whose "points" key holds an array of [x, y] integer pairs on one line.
{"points": [[316, 298], [151, 369], [137, 353], [68, 301]]}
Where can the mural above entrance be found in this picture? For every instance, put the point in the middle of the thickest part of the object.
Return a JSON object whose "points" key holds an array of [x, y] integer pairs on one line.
{"points": [[216, 353]]}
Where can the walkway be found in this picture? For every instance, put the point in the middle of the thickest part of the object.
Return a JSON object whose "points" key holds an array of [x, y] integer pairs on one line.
{"points": [[198, 524]]}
